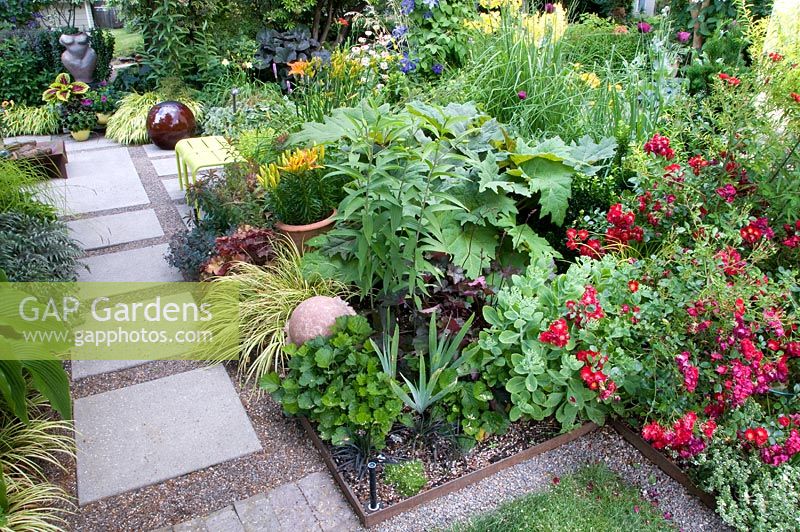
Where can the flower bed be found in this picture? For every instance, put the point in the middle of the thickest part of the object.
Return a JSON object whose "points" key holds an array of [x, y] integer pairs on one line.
{"points": [[357, 493]]}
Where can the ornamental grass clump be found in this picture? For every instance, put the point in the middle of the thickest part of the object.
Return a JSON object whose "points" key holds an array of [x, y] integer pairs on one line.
{"points": [[267, 296]]}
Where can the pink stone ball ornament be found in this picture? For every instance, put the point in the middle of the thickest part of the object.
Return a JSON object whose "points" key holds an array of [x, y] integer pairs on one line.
{"points": [[315, 317]]}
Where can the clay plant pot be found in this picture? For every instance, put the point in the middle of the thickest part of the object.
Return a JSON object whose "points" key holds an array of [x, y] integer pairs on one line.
{"points": [[81, 136], [302, 233], [102, 118]]}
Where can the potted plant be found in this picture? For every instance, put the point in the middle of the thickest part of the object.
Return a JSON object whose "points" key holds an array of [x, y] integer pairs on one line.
{"points": [[104, 102], [80, 123], [298, 193]]}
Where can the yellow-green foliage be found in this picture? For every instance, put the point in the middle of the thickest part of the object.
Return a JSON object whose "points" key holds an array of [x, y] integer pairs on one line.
{"points": [[129, 124], [25, 120], [407, 478]]}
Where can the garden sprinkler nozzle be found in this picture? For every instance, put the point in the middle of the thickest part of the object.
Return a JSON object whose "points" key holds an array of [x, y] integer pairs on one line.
{"points": [[373, 487]]}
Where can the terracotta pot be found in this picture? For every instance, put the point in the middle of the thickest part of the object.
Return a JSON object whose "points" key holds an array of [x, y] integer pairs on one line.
{"points": [[80, 136], [169, 122], [102, 118], [301, 233]]}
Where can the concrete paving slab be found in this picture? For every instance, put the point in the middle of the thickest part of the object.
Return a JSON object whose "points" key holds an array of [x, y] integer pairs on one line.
{"points": [[97, 181], [88, 368], [186, 214], [28, 138], [293, 510], [329, 505], [173, 189], [134, 265], [150, 432], [224, 520], [154, 151], [257, 514], [165, 167], [195, 525], [113, 229], [96, 141]]}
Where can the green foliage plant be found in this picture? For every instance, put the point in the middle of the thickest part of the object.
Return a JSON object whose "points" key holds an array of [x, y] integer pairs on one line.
{"points": [[437, 378], [36, 249], [29, 120], [337, 383], [102, 41], [434, 179], [80, 121], [19, 192], [267, 296], [407, 478]]}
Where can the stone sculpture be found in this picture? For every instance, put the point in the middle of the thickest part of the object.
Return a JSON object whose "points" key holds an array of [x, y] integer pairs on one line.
{"points": [[79, 58]]}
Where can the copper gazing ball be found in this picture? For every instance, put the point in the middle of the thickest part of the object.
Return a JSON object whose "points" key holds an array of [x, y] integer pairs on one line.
{"points": [[169, 122]]}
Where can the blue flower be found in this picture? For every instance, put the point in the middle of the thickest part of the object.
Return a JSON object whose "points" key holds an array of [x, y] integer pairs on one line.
{"points": [[437, 69], [399, 31], [407, 6], [431, 3], [407, 64], [427, 15]]}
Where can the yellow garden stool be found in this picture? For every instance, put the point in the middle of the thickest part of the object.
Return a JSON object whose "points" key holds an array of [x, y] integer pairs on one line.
{"points": [[194, 154]]}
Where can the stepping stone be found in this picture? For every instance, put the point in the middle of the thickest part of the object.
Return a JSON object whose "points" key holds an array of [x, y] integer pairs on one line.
{"points": [[28, 138], [96, 141], [292, 508], [224, 520], [134, 265], [154, 151], [257, 514], [113, 229], [186, 214], [88, 368], [165, 167], [97, 181], [329, 505], [173, 189], [150, 432]]}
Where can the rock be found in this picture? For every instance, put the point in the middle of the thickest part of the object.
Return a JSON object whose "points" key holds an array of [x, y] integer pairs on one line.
{"points": [[315, 317]]}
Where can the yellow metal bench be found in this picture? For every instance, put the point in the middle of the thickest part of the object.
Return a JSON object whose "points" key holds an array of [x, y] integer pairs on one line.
{"points": [[195, 154]]}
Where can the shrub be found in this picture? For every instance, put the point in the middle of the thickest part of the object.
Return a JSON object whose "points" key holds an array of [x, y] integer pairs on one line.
{"points": [[102, 42], [408, 478], [337, 383], [35, 249], [29, 59], [189, 250], [226, 201]]}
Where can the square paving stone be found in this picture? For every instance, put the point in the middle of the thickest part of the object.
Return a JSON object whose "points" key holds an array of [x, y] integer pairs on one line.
{"points": [[135, 265], [329, 505], [154, 151], [88, 368], [174, 189], [257, 514], [224, 520], [292, 509], [97, 180], [104, 231], [96, 141], [150, 432], [165, 167]]}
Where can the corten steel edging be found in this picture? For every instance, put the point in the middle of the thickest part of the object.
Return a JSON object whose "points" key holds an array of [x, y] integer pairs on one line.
{"points": [[663, 463], [369, 519]]}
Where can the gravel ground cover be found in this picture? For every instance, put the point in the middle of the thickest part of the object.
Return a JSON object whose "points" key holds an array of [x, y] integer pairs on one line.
{"points": [[603, 445]]}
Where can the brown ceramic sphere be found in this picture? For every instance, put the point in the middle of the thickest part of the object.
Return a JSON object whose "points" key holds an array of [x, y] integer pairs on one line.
{"points": [[169, 122]]}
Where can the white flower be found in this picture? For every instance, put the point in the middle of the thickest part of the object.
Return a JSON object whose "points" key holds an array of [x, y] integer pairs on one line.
{"points": [[362, 40], [225, 62], [365, 61], [379, 86], [368, 33], [363, 79], [247, 65], [384, 65]]}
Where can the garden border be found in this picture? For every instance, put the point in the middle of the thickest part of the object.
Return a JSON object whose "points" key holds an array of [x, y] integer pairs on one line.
{"points": [[663, 463], [369, 519]]}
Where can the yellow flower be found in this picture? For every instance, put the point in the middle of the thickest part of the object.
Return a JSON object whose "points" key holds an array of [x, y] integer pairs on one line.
{"points": [[268, 176], [591, 79], [8, 104], [302, 159]]}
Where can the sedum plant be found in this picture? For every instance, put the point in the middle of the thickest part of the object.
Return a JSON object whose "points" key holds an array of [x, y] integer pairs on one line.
{"points": [[407, 478]]}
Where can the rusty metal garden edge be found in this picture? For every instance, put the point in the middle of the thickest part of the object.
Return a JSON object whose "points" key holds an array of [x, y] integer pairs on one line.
{"points": [[662, 462], [369, 519]]}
